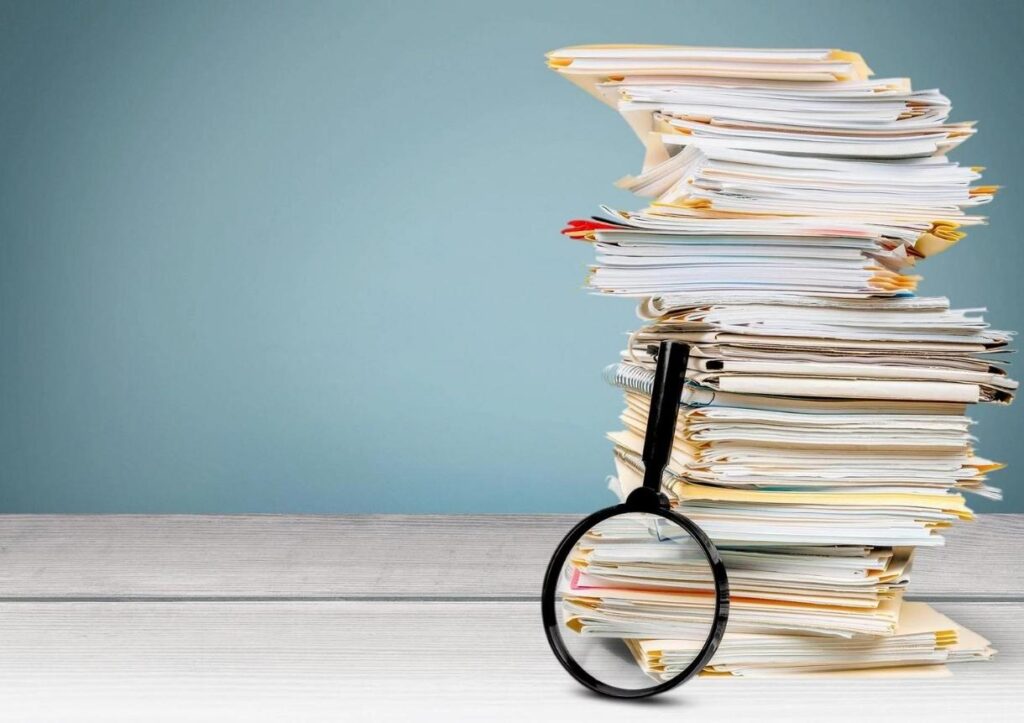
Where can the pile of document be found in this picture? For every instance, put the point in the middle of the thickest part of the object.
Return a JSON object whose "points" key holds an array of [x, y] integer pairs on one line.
{"points": [[824, 433]]}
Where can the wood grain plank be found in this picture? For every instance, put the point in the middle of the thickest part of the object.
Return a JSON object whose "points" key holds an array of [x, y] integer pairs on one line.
{"points": [[388, 557], [406, 660]]}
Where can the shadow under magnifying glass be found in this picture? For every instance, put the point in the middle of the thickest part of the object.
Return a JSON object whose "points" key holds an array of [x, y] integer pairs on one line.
{"points": [[674, 701]]}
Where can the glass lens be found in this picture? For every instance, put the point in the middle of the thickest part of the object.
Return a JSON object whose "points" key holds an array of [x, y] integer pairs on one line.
{"points": [[635, 601]]}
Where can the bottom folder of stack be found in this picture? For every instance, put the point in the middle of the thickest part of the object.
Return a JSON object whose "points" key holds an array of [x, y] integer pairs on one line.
{"points": [[923, 640]]}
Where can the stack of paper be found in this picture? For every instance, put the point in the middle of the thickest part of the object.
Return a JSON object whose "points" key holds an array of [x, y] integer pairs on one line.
{"points": [[824, 431], [920, 350]]}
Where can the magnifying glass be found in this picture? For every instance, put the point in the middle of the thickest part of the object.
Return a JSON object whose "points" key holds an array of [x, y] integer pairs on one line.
{"points": [[636, 598]]}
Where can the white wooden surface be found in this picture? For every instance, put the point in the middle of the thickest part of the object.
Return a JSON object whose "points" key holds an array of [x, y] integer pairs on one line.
{"points": [[317, 618], [378, 556]]}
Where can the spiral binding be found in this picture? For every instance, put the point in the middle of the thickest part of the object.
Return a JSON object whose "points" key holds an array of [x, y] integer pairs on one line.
{"points": [[630, 376], [638, 379]]}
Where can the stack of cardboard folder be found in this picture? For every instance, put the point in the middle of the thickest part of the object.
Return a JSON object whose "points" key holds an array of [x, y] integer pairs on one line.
{"points": [[824, 431]]}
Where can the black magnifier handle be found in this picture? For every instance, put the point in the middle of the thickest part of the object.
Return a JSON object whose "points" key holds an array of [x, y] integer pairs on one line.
{"points": [[669, 378]]}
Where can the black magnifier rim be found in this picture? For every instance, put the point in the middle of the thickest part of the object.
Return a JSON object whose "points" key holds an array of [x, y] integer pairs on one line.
{"points": [[553, 575]]}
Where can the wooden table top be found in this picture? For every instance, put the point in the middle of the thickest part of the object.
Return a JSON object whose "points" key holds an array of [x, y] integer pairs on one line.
{"points": [[267, 617]]}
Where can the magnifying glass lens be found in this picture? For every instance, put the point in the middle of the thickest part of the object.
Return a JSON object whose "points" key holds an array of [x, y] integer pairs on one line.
{"points": [[636, 601]]}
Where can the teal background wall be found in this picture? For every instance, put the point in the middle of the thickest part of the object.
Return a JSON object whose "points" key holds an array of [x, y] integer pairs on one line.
{"points": [[304, 257]]}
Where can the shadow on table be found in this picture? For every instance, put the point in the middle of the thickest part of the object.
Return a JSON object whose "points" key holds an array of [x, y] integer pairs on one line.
{"points": [[673, 699]]}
